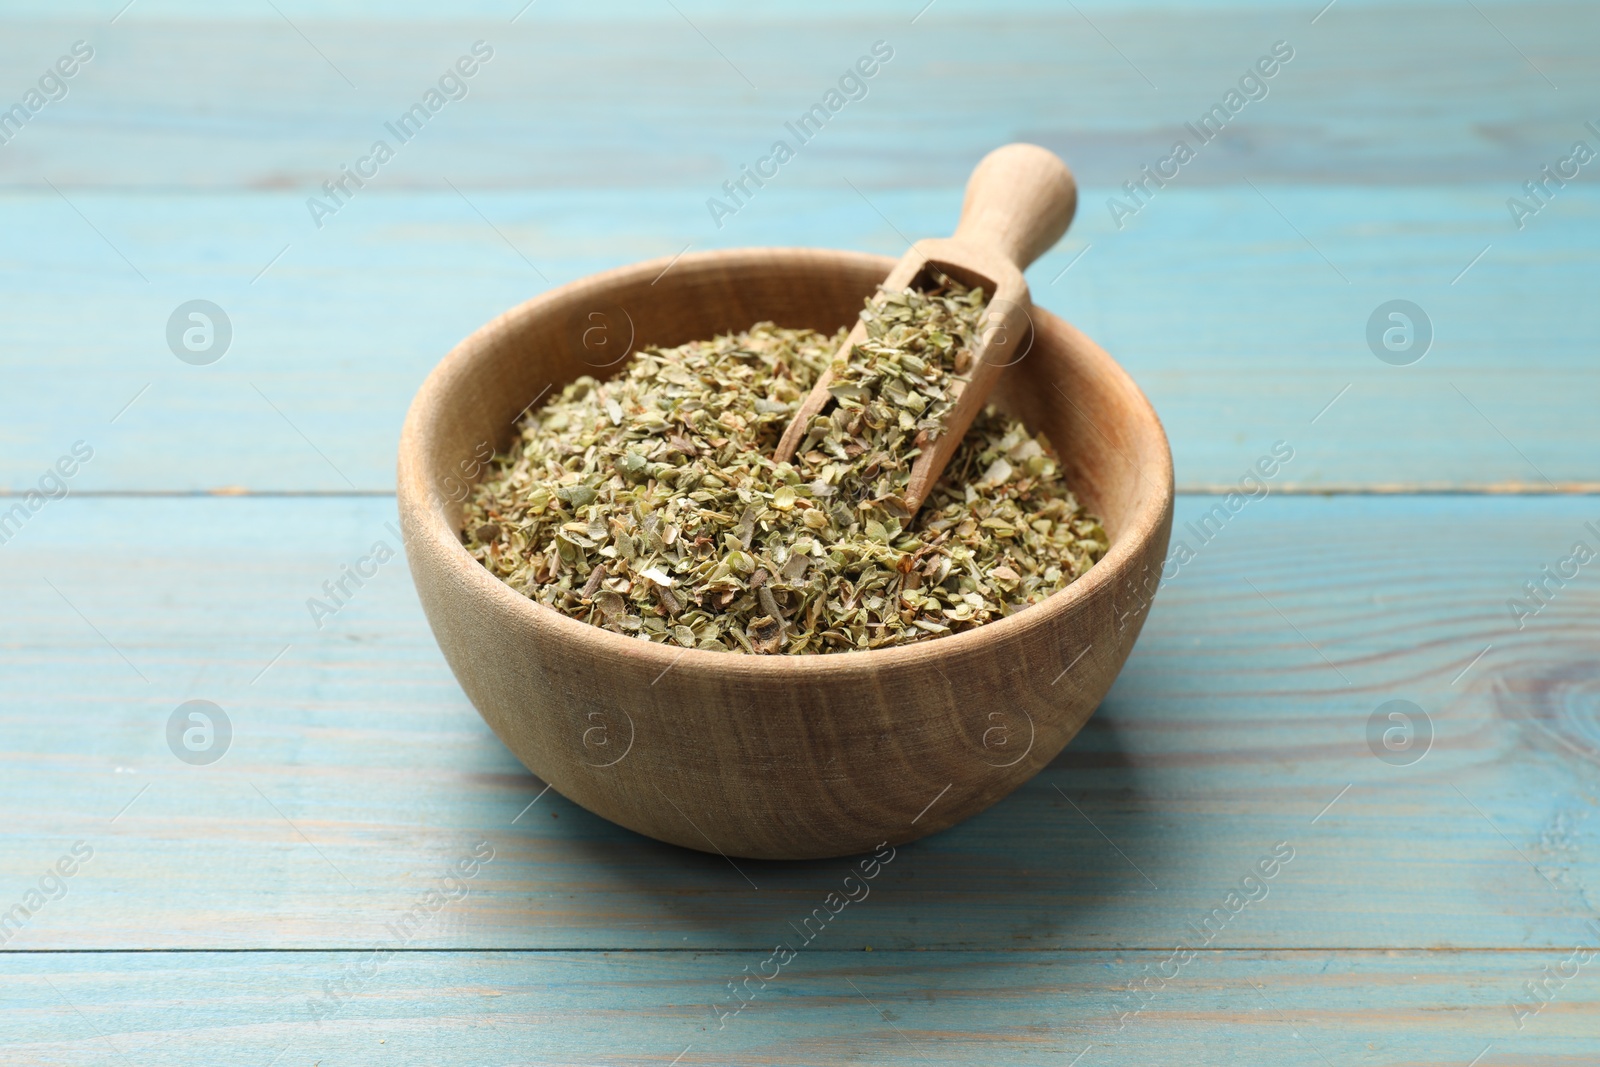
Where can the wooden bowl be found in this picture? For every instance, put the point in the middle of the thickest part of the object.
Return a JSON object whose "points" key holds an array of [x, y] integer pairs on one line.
{"points": [[779, 757]]}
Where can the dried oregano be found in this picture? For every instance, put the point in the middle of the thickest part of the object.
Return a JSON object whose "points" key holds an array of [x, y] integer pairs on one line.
{"points": [[650, 504]]}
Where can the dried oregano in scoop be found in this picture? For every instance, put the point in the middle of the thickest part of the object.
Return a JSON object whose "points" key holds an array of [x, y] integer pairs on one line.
{"points": [[650, 504]]}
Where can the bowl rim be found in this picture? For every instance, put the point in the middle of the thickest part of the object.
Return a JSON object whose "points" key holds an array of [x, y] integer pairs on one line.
{"points": [[427, 534]]}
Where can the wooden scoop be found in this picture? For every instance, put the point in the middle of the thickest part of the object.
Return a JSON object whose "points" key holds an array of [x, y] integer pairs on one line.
{"points": [[1020, 200]]}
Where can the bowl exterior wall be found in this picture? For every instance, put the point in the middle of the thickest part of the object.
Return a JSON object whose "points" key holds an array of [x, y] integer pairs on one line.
{"points": [[780, 757]]}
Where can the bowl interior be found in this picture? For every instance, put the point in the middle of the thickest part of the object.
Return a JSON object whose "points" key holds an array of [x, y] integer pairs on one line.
{"points": [[1113, 450]]}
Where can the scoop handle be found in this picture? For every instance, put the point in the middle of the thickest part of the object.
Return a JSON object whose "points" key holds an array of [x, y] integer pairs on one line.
{"points": [[1020, 200]]}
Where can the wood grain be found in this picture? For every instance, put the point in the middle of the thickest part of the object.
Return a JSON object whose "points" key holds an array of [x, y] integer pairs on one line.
{"points": [[1226, 733], [1371, 156], [1249, 352], [1422, 898], [1293, 1008], [637, 99]]}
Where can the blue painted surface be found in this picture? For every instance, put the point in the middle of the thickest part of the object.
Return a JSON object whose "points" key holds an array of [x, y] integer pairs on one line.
{"points": [[1424, 894]]}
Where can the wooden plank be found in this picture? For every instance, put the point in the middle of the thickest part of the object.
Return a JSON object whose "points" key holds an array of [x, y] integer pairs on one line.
{"points": [[565, 11], [329, 345], [1293, 1008], [358, 773], [1422, 898], [1376, 179], [641, 98]]}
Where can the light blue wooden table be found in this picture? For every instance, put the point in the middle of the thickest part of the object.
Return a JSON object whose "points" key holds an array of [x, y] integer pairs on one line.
{"points": [[1442, 902]]}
